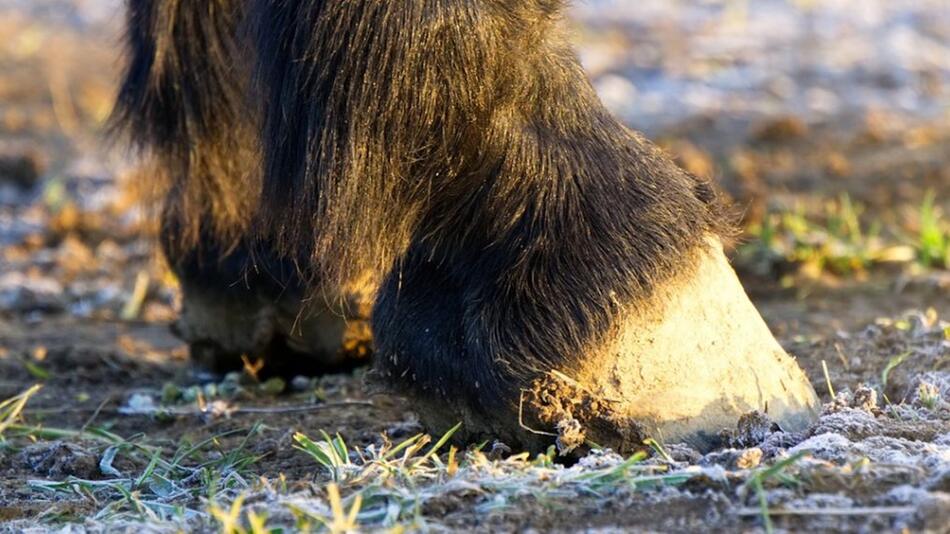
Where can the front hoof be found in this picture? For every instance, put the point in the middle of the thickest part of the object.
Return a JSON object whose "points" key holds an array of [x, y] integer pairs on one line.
{"points": [[681, 368]]}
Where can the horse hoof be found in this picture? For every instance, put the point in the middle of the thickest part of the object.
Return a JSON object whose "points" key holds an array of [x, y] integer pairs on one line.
{"points": [[681, 367]]}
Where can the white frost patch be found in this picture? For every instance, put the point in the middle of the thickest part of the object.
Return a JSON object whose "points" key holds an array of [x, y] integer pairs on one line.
{"points": [[906, 495], [878, 449], [826, 446]]}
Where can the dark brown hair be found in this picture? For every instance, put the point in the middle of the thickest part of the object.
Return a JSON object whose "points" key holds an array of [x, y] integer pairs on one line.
{"points": [[452, 151]]}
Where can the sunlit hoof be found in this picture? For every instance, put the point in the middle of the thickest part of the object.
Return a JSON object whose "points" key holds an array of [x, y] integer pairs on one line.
{"points": [[681, 368]]}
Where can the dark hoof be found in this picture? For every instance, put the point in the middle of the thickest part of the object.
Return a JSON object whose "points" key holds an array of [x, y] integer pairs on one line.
{"points": [[267, 338]]}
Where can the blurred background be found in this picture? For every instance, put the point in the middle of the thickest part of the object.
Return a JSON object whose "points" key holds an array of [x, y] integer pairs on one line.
{"points": [[827, 121]]}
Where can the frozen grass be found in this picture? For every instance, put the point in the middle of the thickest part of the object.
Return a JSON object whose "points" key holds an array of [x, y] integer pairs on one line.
{"points": [[168, 487], [843, 468], [386, 486]]}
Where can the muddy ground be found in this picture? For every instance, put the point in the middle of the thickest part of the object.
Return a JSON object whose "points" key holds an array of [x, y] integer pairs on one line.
{"points": [[783, 107]]}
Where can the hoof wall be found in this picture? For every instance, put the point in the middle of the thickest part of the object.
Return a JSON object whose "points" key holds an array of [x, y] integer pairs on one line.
{"points": [[682, 367], [692, 366]]}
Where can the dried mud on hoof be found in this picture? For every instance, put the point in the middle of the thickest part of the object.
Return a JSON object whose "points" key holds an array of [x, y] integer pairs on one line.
{"points": [[581, 419]]}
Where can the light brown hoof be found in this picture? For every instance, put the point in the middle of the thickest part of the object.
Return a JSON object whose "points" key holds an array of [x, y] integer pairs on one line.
{"points": [[680, 368]]}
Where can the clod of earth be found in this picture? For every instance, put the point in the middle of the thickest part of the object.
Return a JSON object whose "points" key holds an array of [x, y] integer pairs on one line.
{"points": [[60, 459]]}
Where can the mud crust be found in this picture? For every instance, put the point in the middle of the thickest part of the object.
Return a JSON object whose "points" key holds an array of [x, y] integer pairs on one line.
{"points": [[579, 417]]}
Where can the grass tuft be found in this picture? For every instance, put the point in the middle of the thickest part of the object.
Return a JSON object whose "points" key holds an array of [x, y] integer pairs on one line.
{"points": [[389, 485], [12, 408], [775, 472], [837, 238], [933, 237], [170, 487], [331, 453]]}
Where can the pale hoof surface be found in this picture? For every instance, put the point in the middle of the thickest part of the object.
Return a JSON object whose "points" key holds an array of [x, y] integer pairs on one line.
{"points": [[699, 358]]}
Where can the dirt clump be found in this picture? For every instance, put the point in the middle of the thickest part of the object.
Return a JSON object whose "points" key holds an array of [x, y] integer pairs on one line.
{"points": [[60, 459], [579, 416], [752, 429]]}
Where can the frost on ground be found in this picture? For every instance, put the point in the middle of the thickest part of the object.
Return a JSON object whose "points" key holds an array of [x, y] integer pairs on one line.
{"points": [[877, 459]]}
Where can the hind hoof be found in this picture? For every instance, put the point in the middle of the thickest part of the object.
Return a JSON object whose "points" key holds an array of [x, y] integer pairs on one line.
{"points": [[275, 337]]}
